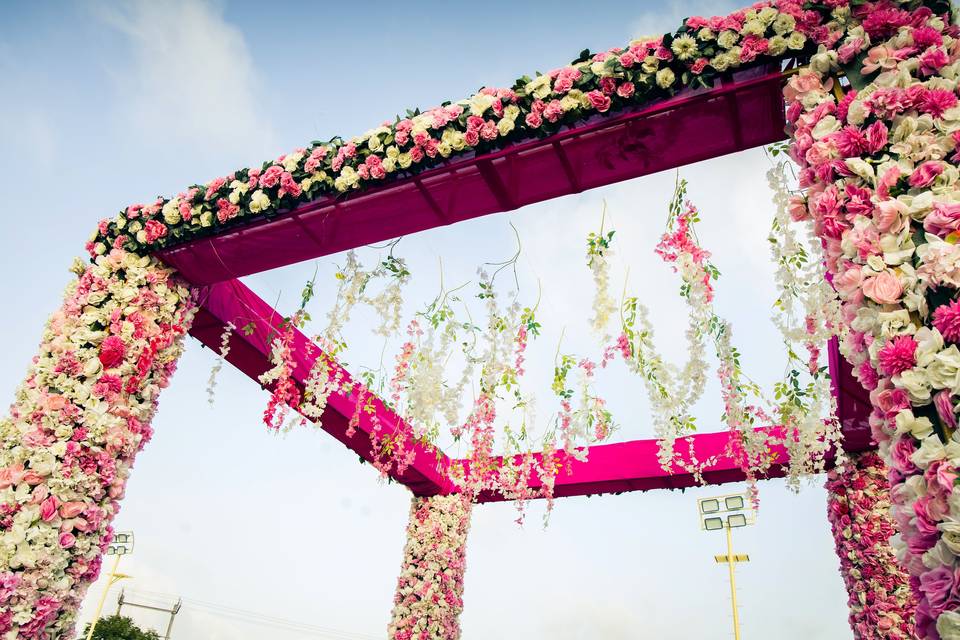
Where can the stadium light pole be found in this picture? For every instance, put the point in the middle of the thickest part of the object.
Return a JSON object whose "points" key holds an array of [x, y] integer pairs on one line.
{"points": [[121, 545], [728, 512]]}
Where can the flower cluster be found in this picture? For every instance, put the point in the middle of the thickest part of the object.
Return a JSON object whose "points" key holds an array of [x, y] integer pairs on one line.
{"points": [[429, 595], [75, 427], [594, 84], [881, 600], [883, 190]]}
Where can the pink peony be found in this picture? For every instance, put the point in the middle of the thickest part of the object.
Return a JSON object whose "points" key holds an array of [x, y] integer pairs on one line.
{"points": [[946, 318], [898, 355]]}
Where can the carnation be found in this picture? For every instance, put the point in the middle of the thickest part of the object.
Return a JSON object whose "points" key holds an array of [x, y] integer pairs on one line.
{"points": [[946, 318], [898, 355]]}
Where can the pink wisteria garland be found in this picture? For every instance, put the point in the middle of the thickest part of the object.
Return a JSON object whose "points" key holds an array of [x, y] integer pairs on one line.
{"points": [[429, 595], [880, 171], [881, 601], [74, 429]]}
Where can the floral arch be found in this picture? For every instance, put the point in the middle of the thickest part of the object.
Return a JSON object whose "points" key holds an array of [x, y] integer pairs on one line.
{"points": [[878, 163]]}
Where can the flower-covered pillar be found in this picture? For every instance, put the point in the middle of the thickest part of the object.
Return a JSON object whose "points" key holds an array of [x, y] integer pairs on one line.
{"points": [[879, 166], [429, 595], [76, 423], [881, 601]]}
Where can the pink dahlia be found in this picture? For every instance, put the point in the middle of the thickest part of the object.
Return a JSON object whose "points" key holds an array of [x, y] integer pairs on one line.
{"points": [[898, 355], [946, 319]]}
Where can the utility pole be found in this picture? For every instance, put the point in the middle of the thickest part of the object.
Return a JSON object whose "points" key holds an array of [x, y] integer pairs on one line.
{"points": [[173, 611]]}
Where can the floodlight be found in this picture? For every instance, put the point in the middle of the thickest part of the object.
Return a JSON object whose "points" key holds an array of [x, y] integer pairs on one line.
{"points": [[737, 520], [121, 545], [733, 503], [710, 505], [713, 524]]}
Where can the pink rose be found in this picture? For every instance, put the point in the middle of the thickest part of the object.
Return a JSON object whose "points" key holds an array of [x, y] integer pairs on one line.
{"points": [[903, 447], [67, 540], [48, 509], [10, 476], [72, 509], [849, 281], [937, 585], [884, 287]]}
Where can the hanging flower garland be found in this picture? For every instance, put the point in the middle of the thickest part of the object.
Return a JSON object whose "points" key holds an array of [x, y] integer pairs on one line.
{"points": [[881, 600], [805, 412]]}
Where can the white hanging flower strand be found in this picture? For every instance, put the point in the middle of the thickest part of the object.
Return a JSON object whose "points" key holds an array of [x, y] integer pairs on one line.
{"points": [[228, 330]]}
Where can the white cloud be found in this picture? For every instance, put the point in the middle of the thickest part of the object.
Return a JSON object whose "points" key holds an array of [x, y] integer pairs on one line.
{"points": [[191, 79]]}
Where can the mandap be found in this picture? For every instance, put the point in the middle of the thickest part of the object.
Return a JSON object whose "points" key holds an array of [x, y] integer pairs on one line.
{"points": [[865, 91]]}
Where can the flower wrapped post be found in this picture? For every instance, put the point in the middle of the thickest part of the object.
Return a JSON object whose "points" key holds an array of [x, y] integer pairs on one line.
{"points": [[881, 601], [879, 166], [429, 595], [77, 423]]}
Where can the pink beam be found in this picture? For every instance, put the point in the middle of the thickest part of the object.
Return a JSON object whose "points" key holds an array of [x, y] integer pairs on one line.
{"points": [[610, 468], [234, 302], [741, 113]]}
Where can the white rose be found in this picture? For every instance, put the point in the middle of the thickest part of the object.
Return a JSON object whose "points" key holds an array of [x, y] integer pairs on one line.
{"points": [[825, 127], [919, 428], [930, 449], [944, 371], [948, 625], [915, 383]]}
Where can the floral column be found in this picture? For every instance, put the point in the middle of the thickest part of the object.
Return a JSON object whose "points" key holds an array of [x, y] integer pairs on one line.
{"points": [[429, 595], [881, 600], [879, 166], [76, 424]]}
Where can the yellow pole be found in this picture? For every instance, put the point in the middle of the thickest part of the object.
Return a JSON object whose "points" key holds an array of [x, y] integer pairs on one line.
{"points": [[103, 598], [733, 584]]}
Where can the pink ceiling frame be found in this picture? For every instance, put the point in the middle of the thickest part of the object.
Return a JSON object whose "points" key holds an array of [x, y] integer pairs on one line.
{"points": [[743, 112]]}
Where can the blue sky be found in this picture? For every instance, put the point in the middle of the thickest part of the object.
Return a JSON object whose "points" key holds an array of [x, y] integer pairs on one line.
{"points": [[106, 104]]}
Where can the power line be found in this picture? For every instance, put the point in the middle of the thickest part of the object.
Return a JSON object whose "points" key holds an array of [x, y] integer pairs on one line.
{"points": [[244, 615]]}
